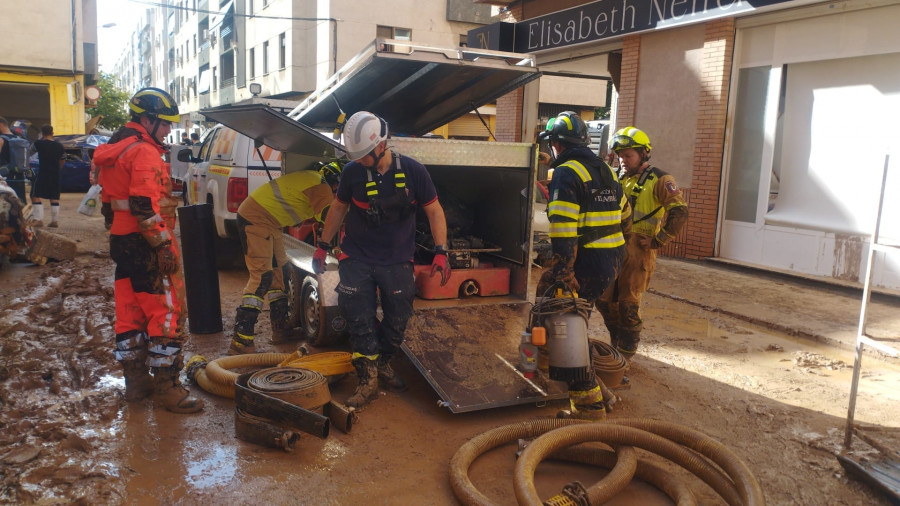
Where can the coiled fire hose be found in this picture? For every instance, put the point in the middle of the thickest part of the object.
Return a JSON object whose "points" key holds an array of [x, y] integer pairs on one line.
{"points": [[693, 450], [217, 378], [608, 364]]}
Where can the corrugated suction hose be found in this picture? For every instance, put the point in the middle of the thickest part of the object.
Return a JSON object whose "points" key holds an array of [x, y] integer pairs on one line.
{"points": [[658, 437]]}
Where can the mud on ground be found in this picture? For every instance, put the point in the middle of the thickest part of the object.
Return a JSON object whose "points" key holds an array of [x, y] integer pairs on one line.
{"points": [[777, 401]]}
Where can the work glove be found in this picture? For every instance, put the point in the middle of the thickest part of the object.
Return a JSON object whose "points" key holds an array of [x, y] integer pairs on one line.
{"points": [[107, 212], [321, 254], [439, 263], [167, 258]]}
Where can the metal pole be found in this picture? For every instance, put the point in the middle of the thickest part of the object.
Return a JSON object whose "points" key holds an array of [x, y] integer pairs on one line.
{"points": [[861, 328]]}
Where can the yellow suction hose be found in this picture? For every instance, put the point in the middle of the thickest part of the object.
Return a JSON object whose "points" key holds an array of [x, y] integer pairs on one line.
{"points": [[658, 437], [648, 472], [217, 377]]}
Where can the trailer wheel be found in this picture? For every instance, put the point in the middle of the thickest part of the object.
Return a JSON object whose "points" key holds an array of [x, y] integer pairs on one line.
{"points": [[293, 281], [311, 320]]}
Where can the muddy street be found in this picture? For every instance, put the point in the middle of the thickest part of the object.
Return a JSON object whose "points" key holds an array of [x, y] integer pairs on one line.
{"points": [[776, 398]]}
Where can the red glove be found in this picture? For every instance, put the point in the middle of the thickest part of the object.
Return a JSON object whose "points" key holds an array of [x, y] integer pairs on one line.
{"points": [[440, 264], [318, 262], [167, 258]]}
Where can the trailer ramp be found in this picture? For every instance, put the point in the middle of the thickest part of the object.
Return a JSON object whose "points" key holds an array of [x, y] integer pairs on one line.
{"points": [[470, 356]]}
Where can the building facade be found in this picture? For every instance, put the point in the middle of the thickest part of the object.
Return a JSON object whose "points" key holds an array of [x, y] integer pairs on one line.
{"points": [[774, 116], [49, 56]]}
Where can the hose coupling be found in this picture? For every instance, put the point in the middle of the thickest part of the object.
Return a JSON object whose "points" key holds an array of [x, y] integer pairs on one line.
{"points": [[194, 365]]}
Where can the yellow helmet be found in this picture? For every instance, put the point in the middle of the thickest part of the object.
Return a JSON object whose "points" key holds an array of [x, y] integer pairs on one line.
{"points": [[630, 137], [154, 103]]}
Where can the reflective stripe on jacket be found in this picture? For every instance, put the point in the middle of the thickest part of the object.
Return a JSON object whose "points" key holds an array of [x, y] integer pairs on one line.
{"points": [[597, 219], [294, 198]]}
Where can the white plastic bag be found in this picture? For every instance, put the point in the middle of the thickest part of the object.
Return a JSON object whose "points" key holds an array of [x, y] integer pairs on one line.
{"points": [[91, 201]]}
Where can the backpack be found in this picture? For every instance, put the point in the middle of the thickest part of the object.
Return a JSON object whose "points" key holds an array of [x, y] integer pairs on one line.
{"points": [[17, 165]]}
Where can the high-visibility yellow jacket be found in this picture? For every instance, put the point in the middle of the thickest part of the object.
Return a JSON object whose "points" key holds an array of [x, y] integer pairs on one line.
{"points": [[294, 198]]}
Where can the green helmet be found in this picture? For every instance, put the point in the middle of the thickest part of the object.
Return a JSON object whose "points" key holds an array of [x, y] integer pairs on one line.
{"points": [[567, 128]]}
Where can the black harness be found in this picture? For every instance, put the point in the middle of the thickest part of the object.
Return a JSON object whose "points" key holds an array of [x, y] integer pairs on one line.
{"points": [[389, 209]]}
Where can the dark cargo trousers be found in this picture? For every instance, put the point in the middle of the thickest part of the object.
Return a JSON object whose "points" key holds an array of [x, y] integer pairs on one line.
{"points": [[361, 287]]}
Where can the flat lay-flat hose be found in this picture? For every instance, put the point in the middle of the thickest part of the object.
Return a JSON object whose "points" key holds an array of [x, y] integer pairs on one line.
{"points": [[607, 363], [747, 490]]}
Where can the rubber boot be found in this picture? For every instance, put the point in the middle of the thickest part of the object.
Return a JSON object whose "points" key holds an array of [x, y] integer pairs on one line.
{"points": [[585, 405], [138, 381], [367, 390], [388, 377], [278, 312], [170, 393], [244, 330]]}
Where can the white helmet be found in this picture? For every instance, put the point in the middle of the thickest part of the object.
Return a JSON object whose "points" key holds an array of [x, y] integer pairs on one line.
{"points": [[362, 133]]}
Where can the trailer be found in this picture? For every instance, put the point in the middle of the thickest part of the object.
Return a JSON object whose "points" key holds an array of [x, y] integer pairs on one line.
{"points": [[464, 338]]}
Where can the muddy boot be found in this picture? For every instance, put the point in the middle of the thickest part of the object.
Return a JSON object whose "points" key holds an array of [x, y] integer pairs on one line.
{"points": [[585, 405], [628, 343], [388, 378], [367, 390], [278, 312], [244, 330], [170, 393], [131, 352], [138, 381]]}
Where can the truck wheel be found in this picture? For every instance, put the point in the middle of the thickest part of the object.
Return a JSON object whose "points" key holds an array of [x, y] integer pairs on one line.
{"points": [[311, 320], [293, 282]]}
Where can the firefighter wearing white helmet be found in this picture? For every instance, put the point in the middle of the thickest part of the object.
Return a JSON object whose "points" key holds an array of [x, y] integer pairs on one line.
{"points": [[659, 213], [379, 194]]}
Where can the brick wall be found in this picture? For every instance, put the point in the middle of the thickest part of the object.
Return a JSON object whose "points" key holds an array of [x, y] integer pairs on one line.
{"points": [[715, 75], [509, 117], [631, 59]]}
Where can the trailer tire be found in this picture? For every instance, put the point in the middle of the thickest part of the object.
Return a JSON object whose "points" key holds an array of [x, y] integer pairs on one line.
{"points": [[293, 282], [311, 319]]}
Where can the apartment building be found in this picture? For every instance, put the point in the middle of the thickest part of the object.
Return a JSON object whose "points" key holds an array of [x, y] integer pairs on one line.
{"points": [[207, 52], [49, 56]]}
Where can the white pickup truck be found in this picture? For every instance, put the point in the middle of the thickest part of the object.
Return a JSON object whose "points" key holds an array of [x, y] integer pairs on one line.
{"points": [[228, 167]]}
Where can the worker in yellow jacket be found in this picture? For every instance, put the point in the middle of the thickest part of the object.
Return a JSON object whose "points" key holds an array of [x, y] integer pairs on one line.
{"points": [[283, 202]]}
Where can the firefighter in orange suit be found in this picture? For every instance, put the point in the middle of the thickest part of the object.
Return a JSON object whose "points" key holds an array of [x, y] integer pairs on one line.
{"points": [[659, 213], [149, 290], [283, 202]]}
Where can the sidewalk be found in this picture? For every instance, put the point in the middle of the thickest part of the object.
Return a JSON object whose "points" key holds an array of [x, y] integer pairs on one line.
{"points": [[796, 306]]}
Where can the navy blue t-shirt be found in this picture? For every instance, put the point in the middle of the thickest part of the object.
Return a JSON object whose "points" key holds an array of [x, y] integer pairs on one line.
{"points": [[388, 243]]}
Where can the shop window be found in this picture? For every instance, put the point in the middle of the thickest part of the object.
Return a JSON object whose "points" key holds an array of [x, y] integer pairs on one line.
{"points": [[747, 146]]}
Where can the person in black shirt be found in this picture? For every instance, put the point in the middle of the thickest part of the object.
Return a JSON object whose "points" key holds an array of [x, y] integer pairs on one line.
{"points": [[51, 155]]}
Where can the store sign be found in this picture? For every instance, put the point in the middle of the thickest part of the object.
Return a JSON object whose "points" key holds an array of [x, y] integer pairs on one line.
{"points": [[611, 18]]}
